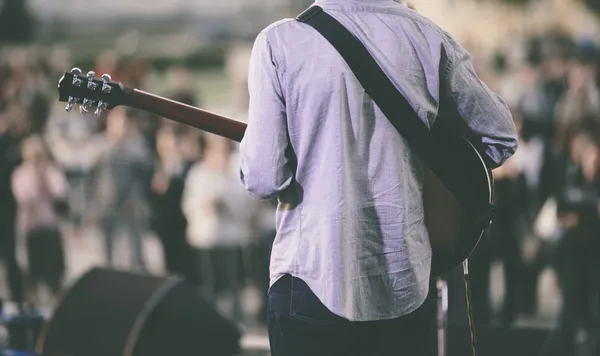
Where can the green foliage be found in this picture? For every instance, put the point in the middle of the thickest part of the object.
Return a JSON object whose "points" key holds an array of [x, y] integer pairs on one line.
{"points": [[16, 22], [515, 2], [593, 5]]}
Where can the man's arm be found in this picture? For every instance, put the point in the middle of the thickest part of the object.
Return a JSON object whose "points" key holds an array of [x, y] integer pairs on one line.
{"points": [[264, 167], [486, 116]]}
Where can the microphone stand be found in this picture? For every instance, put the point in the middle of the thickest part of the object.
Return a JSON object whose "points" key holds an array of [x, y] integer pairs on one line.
{"points": [[442, 313]]}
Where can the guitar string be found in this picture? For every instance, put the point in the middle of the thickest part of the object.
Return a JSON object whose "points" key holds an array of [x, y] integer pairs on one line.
{"points": [[469, 307]]}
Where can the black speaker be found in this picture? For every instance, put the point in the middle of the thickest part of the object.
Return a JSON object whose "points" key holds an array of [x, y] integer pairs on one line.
{"points": [[496, 340], [114, 313]]}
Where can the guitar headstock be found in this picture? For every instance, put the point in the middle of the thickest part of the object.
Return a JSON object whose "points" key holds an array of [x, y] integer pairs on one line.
{"points": [[90, 92]]}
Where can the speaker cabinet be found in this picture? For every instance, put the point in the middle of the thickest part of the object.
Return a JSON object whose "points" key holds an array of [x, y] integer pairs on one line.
{"points": [[496, 340], [114, 313]]}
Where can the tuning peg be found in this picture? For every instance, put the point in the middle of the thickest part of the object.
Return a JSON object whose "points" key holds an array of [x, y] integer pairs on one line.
{"points": [[70, 103], [101, 106], [76, 73], [90, 77], [87, 104], [105, 87]]}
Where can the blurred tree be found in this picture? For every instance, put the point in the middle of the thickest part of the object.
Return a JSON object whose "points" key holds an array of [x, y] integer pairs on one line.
{"points": [[516, 2], [16, 22], [593, 5]]}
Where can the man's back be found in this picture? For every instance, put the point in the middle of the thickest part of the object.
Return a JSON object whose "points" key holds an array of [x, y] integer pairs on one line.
{"points": [[350, 222]]}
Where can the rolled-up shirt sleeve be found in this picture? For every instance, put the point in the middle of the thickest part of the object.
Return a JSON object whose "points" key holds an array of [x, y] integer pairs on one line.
{"points": [[487, 116], [265, 170]]}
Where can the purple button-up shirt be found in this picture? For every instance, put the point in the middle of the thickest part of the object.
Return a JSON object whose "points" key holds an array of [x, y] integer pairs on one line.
{"points": [[350, 220]]}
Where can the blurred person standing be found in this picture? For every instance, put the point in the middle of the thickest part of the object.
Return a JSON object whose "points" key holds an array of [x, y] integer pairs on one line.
{"points": [[168, 220], [69, 137], [582, 98], [190, 143], [13, 126], [181, 90], [40, 189], [17, 24], [122, 179], [577, 189], [218, 213], [507, 231], [539, 100], [27, 85]]}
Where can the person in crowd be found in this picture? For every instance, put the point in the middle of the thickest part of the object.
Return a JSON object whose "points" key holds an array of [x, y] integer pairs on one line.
{"points": [[27, 86], [582, 97], [181, 90], [510, 224], [70, 139], [168, 220], [40, 189], [578, 193], [122, 179], [190, 143], [219, 212], [13, 126]]}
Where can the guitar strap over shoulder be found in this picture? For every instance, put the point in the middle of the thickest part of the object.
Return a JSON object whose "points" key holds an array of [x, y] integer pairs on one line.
{"points": [[425, 142], [375, 82]]}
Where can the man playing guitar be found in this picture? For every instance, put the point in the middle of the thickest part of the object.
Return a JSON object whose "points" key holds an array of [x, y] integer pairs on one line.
{"points": [[350, 266]]}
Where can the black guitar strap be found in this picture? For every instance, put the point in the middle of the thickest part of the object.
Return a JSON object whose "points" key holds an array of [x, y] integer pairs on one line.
{"points": [[385, 94], [375, 82]]}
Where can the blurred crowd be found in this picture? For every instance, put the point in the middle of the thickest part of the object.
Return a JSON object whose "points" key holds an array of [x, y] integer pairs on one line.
{"points": [[547, 203], [126, 174], [132, 173]]}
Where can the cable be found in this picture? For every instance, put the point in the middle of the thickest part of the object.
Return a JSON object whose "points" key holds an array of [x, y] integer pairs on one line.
{"points": [[469, 309]]}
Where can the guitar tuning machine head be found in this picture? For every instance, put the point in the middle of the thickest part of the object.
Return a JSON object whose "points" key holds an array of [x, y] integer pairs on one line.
{"points": [[76, 74], [87, 104], [101, 106], [91, 85], [105, 87], [72, 101]]}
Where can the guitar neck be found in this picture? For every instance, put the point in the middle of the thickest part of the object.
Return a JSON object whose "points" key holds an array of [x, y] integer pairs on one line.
{"points": [[186, 114]]}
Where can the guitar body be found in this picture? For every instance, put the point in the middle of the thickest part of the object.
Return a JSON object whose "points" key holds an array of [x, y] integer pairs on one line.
{"points": [[456, 226], [456, 211]]}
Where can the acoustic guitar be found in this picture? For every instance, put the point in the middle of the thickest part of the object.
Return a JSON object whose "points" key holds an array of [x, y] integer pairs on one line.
{"points": [[457, 208]]}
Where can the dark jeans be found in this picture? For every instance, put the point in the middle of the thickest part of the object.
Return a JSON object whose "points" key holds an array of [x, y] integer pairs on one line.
{"points": [[579, 274], [46, 258], [265, 246], [300, 325], [508, 250], [220, 270], [78, 193], [178, 254], [135, 229], [8, 254]]}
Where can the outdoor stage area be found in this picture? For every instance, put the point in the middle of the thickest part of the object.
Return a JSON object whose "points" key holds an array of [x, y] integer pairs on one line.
{"points": [[86, 252]]}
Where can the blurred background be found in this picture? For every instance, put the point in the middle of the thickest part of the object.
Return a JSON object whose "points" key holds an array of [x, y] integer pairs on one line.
{"points": [[122, 191]]}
